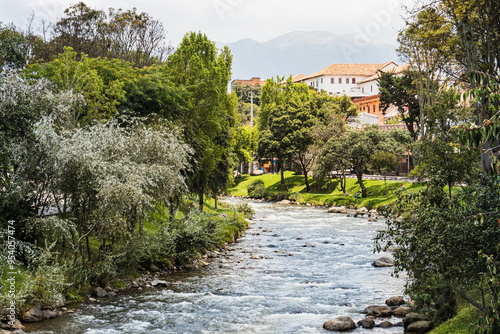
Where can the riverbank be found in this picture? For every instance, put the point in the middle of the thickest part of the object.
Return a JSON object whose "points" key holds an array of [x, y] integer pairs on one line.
{"points": [[294, 268], [162, 248], [326, 192]]}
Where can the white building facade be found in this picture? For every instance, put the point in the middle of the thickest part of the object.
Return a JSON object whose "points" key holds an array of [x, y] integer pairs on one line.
{"points": [[353, 80]]}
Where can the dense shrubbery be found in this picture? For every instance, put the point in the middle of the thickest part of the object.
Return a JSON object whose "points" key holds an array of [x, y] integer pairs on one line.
{"points": [[256, 189], [438, 240]]}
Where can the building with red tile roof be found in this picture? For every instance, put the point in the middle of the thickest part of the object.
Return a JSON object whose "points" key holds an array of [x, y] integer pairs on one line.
{"points": [[353, 80], [252, 82]]}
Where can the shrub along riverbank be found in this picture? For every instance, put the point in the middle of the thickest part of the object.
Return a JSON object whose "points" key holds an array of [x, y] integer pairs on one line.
{"points": [[50, 280]]}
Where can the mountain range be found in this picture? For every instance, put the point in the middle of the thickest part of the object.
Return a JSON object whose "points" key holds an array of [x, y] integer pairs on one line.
{"points": [[302, 52]]}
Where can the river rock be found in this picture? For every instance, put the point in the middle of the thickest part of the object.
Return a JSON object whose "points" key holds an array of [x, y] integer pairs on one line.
{"points": [[378, 311], [256, 257], [18, 325], [154, 269], [395, 301], [367, 323], [100, 292], [384, 261], [401, 311], [362, 211], [414, 317], [385, 324], [340, 324], [337, 209], [49, 314], [285, 202], [422, 326], [33, 315], [4, 331]]}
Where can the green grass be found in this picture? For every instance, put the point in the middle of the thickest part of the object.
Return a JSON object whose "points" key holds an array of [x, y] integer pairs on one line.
{"points": [[327, 193], [460, 324]]}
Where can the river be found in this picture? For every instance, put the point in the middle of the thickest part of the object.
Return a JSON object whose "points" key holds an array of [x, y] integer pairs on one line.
{"points": [[295, 268]]}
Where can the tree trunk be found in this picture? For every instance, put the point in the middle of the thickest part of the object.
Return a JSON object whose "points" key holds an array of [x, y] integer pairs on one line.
{"points": [[306, 178], [282, 173], [364, 191], [88, 247], [201, 199]]}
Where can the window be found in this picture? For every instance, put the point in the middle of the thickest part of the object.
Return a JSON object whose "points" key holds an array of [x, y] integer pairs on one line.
{"points": [[347, 80], [340, 80], [353, 80], [374, 109], [332, 81], [321, 80], [363, 90], [371, 88]]}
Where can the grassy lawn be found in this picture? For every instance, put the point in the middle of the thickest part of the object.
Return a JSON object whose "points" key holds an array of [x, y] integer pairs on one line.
{"points": [[460, 324], [327, 193]]}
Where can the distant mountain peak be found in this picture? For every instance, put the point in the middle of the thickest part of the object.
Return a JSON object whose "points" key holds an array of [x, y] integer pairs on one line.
{"points": [[302, 52]]}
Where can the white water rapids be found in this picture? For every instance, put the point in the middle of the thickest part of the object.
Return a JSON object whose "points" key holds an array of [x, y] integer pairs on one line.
{"points": [[291, 289]]}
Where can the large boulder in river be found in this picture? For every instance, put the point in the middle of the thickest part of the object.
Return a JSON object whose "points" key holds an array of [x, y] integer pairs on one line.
{"points": [[395, 301], [422, 326], [378, 311], [368, 322], [384, 261], [340, 324], [337, 209], [401, 311], [33, 315]]}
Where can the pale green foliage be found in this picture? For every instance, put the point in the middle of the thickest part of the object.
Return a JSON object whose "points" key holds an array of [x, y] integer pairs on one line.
{"points": [[109, 175]]}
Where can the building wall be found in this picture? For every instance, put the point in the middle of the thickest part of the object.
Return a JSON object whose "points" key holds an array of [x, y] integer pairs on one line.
{"points": [[370, 105], [337, 85]]}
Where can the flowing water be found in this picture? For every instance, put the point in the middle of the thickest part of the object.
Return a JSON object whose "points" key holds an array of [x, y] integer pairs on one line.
{"points": [[295, 268]]}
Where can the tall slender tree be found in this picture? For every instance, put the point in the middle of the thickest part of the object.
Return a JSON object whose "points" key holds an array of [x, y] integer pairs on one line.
{"points": [[204, 72]]}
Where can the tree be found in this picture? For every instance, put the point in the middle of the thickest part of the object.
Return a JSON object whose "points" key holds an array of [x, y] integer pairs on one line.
{"points": [[121, 34], [14, 48], [331, 158], [70, 74], [437, 239], [136, 37], [383, 163], [287, 117], [247, 93], [361, 145], [204, 72], [108, 177], [22, 103], [401, 92]]}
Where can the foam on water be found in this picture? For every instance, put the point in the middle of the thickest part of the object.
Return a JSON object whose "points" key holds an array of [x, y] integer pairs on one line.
{"points": [[313, 265]]}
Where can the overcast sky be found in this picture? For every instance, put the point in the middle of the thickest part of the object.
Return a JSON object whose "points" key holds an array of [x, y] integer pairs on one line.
{"points": [[232, 20]]}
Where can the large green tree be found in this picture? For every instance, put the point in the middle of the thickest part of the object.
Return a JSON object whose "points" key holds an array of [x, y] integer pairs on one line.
{"points": [[15, 48], [286, 119], [399, 90], [204, 72]]}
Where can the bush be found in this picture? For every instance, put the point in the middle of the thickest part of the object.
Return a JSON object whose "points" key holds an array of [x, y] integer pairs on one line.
{"points": [[257, 189], [245, 209], [282, 195]]}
